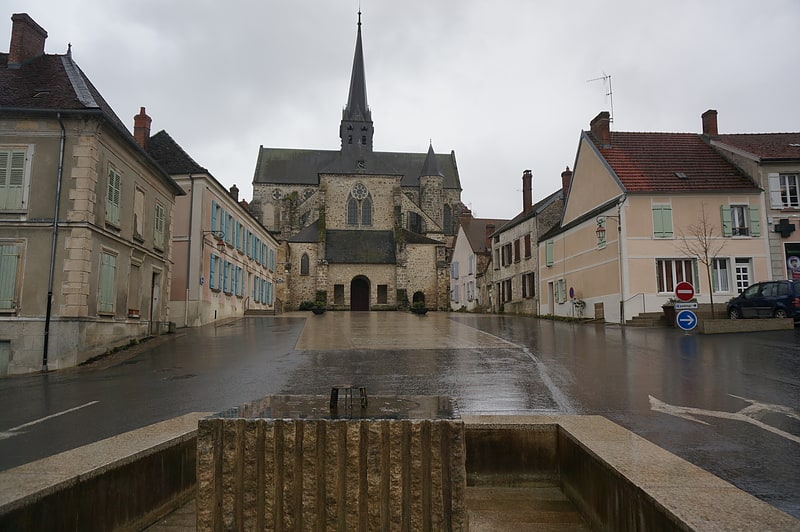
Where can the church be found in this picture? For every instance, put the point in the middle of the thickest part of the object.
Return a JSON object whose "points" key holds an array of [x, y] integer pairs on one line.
{"points": [[363, 229]]}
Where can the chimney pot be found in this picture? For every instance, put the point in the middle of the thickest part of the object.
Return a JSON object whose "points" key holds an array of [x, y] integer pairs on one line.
{"points": [[27, 40], [600, 127], [566, 181], [235, 193], [527, 193], [710, 123], [141, 128]]}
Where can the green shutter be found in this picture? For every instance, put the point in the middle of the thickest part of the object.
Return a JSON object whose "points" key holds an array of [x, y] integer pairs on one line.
{"points": [[12, 179], [662, 221], [112, 199], [108, 266], [549, 253], [9, 259], [755, 221], [725, 212]]}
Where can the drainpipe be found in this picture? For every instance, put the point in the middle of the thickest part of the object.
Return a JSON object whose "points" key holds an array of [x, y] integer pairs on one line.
{"points": [[53, 244], [621, 265], [189, 252]]}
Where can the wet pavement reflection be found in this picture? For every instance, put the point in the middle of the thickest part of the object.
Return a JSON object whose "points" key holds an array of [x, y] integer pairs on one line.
{"points": [[727, 403]]}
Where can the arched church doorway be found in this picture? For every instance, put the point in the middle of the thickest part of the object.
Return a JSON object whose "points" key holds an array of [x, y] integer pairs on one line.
{"points": [[359, 293], [419, 297]]}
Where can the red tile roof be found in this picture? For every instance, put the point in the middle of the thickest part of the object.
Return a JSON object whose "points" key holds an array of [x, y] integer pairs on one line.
{"points": [[765, 145], [475, 229], [649, 162]]}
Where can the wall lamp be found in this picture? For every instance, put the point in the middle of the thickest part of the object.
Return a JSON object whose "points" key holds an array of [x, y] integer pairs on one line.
{"points": [[219, 236]]}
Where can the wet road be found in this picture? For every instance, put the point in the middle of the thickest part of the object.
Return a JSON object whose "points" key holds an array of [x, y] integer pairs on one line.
{"points": [[730, 404]]}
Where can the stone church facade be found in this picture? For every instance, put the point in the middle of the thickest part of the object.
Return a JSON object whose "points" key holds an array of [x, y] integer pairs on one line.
{"points": [[362, 229]]}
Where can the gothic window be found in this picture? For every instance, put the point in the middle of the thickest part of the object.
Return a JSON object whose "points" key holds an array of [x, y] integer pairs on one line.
{"points": [[448, 220], [366, 211], [304, 264], [414, 222], [352, 211]]}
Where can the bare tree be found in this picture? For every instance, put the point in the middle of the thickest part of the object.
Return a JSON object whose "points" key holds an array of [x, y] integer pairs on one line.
{"points": [[701, 242]]}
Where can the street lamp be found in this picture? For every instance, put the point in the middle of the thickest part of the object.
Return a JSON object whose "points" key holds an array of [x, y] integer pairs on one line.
{"points": [[219, 236]]}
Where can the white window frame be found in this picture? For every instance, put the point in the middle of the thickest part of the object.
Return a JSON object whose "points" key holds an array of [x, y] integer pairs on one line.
{"points": [[743, 273], [784, 190], [721, 275], [26, 151], [158, 228], [740, 220], [670, 272]]}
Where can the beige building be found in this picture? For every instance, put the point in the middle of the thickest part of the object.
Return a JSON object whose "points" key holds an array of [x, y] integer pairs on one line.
{"points": [[637, 204], [224, 260], [364, 229], [515, 255], [772, 160], [94, 279]]}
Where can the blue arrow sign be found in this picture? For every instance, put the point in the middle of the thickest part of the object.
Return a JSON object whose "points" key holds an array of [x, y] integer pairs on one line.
{"points": [[686, 319]]}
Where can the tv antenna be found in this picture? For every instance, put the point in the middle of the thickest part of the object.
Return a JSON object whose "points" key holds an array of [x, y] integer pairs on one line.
{"points": [[606, 79]]}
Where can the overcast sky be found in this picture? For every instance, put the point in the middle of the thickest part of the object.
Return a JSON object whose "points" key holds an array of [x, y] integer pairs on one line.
{"points": [[503, 83]]}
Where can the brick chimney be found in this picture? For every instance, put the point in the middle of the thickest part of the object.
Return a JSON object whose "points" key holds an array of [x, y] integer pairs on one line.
{"points": [[527, 194], [234, 192], [710, 123], [27, 40], [141, 128], [489, 231], [601, 128], [566, 181]]}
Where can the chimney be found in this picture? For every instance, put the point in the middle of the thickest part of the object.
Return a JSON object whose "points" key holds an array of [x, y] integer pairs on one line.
{"points": [[710, 123], [601, 128], [141, 128], [566, 181], [489, 231], [27, 40], [527, 197], [234, 192]]}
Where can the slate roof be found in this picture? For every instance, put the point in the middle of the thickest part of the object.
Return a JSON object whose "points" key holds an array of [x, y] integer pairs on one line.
{"points": [[288, 166], [172, 158], [55, 83], [534, 211], [767, 146], [475, 231], [308, 234], [359, 247], [649, 162]]}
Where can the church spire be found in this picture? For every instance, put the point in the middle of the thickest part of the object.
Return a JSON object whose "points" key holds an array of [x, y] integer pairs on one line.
{"points": [[356, 127]]}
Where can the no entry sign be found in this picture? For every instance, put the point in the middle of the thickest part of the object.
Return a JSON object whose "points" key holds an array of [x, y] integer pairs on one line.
{"points": [[684, 291]]}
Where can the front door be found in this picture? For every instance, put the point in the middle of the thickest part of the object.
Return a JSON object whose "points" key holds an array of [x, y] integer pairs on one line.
{"points": [[359, 294], [155, 304]]}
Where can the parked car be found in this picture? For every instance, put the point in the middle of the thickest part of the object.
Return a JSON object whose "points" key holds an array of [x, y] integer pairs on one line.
{"points": [[770, 299]]}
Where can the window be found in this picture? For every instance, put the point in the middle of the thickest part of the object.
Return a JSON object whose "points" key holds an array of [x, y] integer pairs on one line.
{"points": [[304, 264], [784, 191], [108, 272], [470, 287], [496, 259], [112, 197], [507, 296], [414, 222], [226, 275], [662, 221], [670, 272], [527, 246], [470, 264], [366, 211], [454, 270], [212, 267], [506, 254], [138, 213], [382, 294], [740, 220], [454, 296], [516, 250], [338, 294], [528, 288], [158, 232], [12, 179], [352, 211], [720, 275], [9, 264], [548, 253], [561, 291]]}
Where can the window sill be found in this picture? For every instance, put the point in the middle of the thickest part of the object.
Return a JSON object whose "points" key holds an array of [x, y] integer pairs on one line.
{"points": [[112, 225]]}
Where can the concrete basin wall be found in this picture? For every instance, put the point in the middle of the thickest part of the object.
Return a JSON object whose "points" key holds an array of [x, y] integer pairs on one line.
{"points": [[122, 483], [330, 474], [618, 480]]}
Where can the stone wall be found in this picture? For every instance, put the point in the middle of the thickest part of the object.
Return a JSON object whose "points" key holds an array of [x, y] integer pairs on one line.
{"points": [[259, 474]]}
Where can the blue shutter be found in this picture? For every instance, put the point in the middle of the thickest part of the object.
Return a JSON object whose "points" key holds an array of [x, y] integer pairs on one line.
{"points": [[213, 215], [211, 267]]}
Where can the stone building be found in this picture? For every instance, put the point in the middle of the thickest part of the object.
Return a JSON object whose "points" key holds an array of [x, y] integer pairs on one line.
{"points": [[364, 229], [85, 216]]}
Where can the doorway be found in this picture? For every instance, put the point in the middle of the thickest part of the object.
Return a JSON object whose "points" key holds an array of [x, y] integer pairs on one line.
{"points": [[359, 293], [155, 305]]}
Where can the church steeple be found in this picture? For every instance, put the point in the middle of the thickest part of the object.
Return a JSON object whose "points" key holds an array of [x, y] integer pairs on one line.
{"points": [[430, 167], [356, 127]]}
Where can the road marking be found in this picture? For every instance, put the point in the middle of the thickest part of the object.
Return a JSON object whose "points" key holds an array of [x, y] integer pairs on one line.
{"points": [[15, 430], [748, 414]]}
